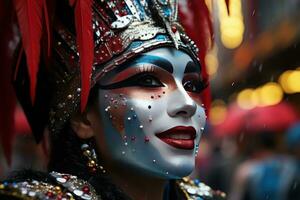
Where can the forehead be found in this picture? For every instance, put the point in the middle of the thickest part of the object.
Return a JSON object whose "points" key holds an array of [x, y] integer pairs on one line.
{"points": [[177, 58], [172, 60]]}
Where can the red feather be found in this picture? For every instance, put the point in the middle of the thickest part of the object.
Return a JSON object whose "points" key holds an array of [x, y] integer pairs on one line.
{"points": [[46, 16], [196, 20], [8, 99], [85, 43], [29, 13]]}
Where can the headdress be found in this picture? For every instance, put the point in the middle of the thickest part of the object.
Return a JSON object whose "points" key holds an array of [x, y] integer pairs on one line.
{"points": [[81, 40]]}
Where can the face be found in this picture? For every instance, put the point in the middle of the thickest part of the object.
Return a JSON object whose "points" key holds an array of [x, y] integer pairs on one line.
{"points": [[151, 113]]}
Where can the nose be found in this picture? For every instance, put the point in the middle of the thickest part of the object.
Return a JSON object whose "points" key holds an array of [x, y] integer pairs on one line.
{"points": [[181, 104]]}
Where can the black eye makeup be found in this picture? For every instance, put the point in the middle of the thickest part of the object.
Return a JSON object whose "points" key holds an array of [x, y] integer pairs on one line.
{"points": [[143, 79], [192, 67], [193, 83]]}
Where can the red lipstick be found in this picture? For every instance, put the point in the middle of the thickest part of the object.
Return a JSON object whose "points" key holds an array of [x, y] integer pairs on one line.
{"points": [[181, 137]]}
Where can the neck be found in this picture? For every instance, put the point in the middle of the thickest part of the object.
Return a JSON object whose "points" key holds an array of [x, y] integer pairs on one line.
{"points": [[136, 185]]}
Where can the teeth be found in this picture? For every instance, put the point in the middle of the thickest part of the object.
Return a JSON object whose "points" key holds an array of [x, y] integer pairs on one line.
{"points": [[181, 137]]}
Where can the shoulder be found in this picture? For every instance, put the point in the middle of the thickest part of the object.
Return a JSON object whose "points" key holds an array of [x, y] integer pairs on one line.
{"points": [[38, 186], [196, 190]]}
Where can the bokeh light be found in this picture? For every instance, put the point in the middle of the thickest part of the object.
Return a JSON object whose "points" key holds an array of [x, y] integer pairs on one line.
{"points": [[218, 112], [231, 26], [244, 99], [270, 94], [211, 61], [290, 81], [266, 95]]}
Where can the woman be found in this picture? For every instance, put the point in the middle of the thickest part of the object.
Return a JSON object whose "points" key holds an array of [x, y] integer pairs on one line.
{"points": [[135, 134]]}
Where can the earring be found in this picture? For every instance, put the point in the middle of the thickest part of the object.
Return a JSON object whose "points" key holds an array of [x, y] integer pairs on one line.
{"points": [[92, 161]]}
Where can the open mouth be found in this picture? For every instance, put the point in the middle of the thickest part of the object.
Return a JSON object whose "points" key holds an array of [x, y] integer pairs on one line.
{"points": [[181, 137]]}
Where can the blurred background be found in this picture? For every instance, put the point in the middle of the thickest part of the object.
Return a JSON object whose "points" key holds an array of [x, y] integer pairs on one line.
{"points": [[251, 145]]}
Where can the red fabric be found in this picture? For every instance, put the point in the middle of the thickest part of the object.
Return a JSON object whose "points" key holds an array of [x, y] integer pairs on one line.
{"points": [[7, 99], [85, 43]]}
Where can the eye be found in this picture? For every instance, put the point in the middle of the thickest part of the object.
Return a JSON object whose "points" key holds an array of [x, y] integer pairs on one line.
{"points": [[144, 79], [148, 80], [195, 86]]}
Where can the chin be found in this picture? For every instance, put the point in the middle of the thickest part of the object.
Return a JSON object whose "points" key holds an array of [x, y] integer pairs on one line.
{"points": [[167, 170], [181, 170]]}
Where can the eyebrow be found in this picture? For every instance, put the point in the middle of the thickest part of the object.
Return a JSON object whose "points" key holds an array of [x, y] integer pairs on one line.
{"points": [[155, 60], [141, 59], [192, 67]]}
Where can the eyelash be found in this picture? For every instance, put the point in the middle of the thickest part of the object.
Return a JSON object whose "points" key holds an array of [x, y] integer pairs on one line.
{"points": [[200, 86], [134, 80], [148, 71]]}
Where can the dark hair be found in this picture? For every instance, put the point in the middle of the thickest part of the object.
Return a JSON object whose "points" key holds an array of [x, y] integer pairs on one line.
{"points": [[66, 156]]}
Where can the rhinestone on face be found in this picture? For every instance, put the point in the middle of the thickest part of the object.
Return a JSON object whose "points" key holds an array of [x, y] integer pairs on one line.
{"points": [[146, 139], [107, 108]]}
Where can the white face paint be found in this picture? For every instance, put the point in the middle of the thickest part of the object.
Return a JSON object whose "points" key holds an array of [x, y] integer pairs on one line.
{"points": [[151, 113]]}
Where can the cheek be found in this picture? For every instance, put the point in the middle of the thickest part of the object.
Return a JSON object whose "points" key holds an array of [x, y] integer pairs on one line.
{"points": [[196, 97], [117, 103], [115, 107]]}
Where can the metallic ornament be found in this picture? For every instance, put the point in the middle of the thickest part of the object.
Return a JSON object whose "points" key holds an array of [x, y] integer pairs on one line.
{"points": [[92, 160]]}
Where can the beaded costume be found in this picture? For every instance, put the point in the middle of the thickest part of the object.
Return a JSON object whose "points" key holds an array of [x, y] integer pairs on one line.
{"points": [[66, 48]]}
